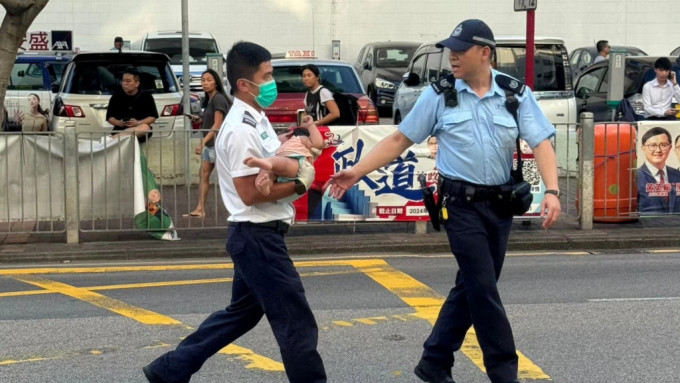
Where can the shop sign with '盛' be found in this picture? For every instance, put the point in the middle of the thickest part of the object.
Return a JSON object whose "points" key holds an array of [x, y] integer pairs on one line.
{"points": [[525, 5]]}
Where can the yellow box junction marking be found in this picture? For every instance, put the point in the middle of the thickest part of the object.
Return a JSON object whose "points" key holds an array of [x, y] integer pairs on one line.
{"points": [[419, 296], [427, 303], [142, 315]]}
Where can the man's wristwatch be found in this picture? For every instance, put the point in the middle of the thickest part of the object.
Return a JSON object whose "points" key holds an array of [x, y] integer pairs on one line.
{"points": [[556, 193]]}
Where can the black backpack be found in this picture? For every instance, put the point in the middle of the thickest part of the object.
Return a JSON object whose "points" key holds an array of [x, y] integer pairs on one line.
{"points": [[348, 106]]}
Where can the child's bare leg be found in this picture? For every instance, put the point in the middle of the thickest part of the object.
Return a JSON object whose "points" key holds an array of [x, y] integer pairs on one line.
{"points": [[264, 182], [279, 165]]}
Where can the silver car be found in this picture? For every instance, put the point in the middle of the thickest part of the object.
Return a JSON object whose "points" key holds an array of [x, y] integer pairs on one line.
{"points": [[91, 78]]}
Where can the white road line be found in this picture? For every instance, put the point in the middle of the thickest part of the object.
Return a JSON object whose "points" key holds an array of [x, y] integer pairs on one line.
{"points": [[634, 299]]}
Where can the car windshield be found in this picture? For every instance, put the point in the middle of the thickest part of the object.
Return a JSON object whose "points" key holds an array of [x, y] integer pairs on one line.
{"points": [[549, 74], [198, 49], [26, 76], [105, 78], [334, 77], [394, 57]]}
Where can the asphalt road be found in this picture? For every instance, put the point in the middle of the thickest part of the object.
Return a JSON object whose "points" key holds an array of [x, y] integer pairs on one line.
{"points": [[577, 317]]}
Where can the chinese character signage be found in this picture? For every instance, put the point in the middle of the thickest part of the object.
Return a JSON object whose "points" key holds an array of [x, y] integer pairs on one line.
{"points": [[48, 41], [391, 193]]}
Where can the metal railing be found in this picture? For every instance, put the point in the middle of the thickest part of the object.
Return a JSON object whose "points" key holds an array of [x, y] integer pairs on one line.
{"points": [[78, 182]]}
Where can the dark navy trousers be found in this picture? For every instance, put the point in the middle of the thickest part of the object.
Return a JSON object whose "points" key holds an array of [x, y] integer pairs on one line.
{"points": [[478, 236], [265, 283]]}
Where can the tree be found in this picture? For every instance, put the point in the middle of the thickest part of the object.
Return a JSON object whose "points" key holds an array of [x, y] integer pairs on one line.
{"points": [[19, 17]]}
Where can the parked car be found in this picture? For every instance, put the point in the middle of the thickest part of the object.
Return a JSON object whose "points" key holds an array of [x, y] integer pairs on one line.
{"points": [[336, 75], [675, 52], [33, 73], [91, 78], [580, 58], [593, 83], [170, 43], [552, 77], [380, 66]]}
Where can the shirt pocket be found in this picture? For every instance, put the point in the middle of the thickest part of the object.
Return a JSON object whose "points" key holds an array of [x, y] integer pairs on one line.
{"points": [[506, 130], [458, 126]]}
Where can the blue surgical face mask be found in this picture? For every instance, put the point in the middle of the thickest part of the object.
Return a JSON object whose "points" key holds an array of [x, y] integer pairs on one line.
{"points": [[268, 93]]}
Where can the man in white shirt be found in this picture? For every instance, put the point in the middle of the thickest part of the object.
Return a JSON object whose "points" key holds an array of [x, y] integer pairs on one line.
{"points": [[265, 279], [658, 94], [602, 51]]}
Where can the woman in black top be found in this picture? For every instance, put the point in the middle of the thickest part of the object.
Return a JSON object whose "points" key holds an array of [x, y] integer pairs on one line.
{"points": [[215, 108], [319, 102]]}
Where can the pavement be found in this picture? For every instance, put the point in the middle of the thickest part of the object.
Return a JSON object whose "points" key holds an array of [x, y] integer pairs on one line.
{"points": [[351, 239]]}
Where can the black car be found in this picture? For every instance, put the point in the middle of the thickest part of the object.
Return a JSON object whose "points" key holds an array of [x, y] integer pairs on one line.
{"points": [[580, 58], [593, 83], [380, 66]]}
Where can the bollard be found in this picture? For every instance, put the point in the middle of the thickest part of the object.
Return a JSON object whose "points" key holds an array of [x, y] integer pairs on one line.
{"points": [[420, 227], [587, 170], [71, 183]]}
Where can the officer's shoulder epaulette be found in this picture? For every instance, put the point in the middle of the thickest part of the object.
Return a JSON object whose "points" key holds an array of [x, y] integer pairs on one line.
{"points": [[510, 84], [448, 82], [248, 119]]}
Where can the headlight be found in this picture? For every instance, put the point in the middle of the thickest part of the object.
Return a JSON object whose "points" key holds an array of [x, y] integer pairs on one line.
{"points": [[382, 83]]}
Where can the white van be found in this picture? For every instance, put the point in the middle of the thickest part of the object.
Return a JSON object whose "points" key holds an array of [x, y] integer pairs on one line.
{"points": [[170, 43]]}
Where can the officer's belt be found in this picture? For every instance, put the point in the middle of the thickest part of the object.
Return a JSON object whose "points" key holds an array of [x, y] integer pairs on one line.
{"points": [[467, 191], [280, 226]]}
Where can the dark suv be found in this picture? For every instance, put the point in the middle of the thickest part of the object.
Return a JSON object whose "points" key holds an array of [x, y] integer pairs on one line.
{"points": [[380, 66], [593, 83]]}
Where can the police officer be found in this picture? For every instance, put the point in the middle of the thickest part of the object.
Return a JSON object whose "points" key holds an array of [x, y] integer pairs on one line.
{"points": [[265, 280], [476, 136]]}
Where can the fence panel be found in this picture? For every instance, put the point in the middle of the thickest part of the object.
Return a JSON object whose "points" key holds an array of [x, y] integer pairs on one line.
{"points": [[32, 182]]}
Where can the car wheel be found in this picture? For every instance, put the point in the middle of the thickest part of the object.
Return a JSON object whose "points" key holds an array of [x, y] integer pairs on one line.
{"points": [[397, 118]]}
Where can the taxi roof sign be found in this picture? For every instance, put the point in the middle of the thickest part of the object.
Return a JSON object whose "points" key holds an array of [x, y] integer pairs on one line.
{"points": [[301, 54]]}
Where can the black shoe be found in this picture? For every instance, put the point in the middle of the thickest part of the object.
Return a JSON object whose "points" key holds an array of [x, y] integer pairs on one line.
{"points": [[151, 376], [431, 373]]}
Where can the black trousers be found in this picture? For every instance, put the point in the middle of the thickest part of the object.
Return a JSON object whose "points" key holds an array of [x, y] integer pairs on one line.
{"points": [[265, 283], [478, 236]]}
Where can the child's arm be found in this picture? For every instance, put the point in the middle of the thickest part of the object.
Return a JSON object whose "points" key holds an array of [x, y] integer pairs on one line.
{"points": [[314, 134]]}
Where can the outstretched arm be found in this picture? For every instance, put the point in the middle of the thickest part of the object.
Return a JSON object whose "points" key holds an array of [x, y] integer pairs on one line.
{"points": [[387, 150]]}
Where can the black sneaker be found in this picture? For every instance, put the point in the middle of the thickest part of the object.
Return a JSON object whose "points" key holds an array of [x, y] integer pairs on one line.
{"points": [[431, 373]]}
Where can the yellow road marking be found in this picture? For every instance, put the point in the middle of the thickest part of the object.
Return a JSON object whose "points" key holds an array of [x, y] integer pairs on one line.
{"points": [[160, 284], [143, 316], [427, 303], [256, 361], [15, 361], [139, 314], [114, 269]]}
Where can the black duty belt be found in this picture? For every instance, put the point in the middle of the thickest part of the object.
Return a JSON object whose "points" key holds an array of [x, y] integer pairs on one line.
{"points": [[467, 191], [280, 226]]}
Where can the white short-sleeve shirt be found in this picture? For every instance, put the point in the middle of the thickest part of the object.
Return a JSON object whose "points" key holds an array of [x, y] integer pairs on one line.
{"points": [[246, 132]]}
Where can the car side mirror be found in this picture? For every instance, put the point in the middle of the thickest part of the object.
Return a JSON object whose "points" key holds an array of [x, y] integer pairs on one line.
{"points": [[21, 73], [411, 79], [367, 65], [583, 93]]}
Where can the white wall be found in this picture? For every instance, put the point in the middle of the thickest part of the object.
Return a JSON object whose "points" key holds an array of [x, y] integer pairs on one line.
{"points": [[280, 25]]}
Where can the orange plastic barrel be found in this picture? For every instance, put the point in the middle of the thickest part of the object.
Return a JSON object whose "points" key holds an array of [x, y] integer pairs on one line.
{"points": [[615, 166]]}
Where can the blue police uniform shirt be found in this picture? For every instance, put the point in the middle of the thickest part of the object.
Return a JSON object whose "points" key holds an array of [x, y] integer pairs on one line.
{"points": [[476, 138]]}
